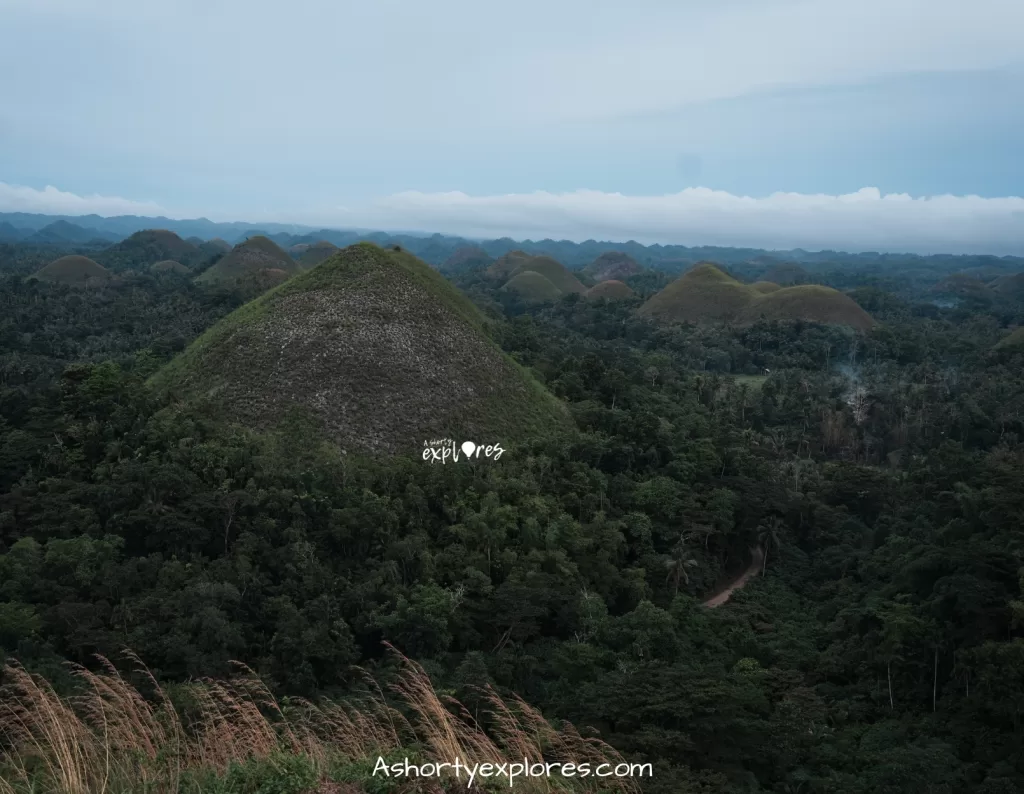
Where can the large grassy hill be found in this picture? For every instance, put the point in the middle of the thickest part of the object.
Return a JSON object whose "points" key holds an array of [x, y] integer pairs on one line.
{"points": [[248, 259], [533, 287], [378, 348], [74, 270], [150, 246], [554, 271], [706, 294]]}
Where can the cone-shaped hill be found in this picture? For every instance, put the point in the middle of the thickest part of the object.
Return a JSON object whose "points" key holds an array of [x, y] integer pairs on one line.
{"points": [[150, 246], [532, 287], [612, 289], [516, 262], [612, 265], [766, 286], [75, 271], [316, 253], [248, 259], [374, 345], [169, 266], [706, 294]]}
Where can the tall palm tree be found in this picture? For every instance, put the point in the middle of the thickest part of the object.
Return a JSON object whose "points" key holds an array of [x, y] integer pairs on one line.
{"points": [[768, 535], [677, 565]]}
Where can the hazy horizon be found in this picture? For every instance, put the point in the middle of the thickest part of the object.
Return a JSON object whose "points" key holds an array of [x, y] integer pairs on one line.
{"points": [[890, 126]]}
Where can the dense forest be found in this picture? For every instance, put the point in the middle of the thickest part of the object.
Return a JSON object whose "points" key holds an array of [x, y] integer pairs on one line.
{"points": [[876, 477]]}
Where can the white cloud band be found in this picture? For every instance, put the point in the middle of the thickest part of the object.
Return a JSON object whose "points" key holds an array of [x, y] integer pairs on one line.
{"points": [[861, 221], [51, 201]]}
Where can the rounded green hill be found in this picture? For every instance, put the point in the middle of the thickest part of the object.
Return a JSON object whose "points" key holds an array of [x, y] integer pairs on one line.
{"points": [[378, 348], [611, 289], [317, 252], [247, 259], [75, 271], [809, 302], [150, 246], [706, 294], [532, 286], [703, 293], [766, 286], [553, 270]]}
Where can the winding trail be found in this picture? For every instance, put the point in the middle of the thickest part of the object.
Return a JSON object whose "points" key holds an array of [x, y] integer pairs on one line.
{"points": [[723, 595]]}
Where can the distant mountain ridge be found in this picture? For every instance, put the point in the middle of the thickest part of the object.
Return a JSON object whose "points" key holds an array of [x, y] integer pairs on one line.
{"points": [[436, 249]]}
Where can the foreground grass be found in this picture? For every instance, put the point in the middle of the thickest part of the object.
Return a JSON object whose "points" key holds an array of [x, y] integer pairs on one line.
{"points": [[234, 737]]}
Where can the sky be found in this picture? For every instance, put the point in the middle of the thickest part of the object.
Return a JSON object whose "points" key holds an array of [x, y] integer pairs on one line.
{"points": [[855, 124]]}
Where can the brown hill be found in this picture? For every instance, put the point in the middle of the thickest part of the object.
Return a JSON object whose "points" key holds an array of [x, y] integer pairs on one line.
{"points": [[611, 289], [706, 294], [612, 265], [247, 259], [809, 302], [169, 266], [702, 293], [316, 253], [75, 271], [375, 347]]}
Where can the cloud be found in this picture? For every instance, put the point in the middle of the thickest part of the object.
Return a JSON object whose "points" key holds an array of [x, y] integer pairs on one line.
{"points": [[51, 201], [861, 221]]}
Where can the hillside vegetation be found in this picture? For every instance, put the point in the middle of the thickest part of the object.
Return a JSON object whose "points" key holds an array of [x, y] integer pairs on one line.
{"points": [[234, 737], [317, 252], [469, 257], [706, 294], [375, 346], [74, 270], [612, 265], [786, 273], [169, 266], [248, 259]]}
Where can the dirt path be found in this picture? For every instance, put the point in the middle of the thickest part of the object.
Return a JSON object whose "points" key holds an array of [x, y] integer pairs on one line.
{"points": [[756, 558]]}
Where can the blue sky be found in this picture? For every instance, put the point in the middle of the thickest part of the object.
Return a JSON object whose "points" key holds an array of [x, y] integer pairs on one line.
{"points": [[664, 121]]}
